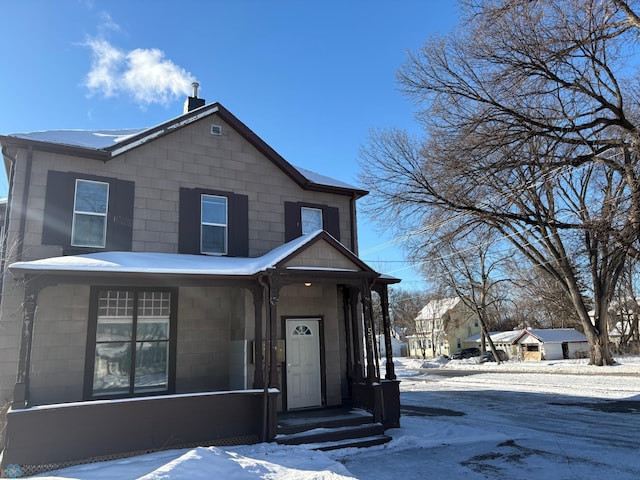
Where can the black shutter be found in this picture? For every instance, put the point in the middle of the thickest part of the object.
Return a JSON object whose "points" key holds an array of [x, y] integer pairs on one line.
{"points": [[58, 208], [238, 226], [331, 221], [189, 223], [120, 220], [292, 221]]}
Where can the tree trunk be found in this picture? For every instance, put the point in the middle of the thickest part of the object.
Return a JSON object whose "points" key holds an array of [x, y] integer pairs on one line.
{"points": [[600, 352]]}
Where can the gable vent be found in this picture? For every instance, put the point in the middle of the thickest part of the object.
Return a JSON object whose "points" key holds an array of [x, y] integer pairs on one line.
{"points": [[216, 130]]}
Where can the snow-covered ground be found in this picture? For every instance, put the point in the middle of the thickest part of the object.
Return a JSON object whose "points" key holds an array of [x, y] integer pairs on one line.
{"points": [[460, 420]]}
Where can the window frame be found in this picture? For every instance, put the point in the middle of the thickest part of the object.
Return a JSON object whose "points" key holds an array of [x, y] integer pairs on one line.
{"points": [[225, 225], [59, 201], [302, 219], [190, 228], [92, 342], [293, 219], [77, 213]]}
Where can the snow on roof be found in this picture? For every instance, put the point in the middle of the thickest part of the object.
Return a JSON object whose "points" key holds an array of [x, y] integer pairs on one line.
{"points": [[437, 308], [104, 139], [497, 337], [96, 139], [323, 180], [553, 335], [167, 263]]}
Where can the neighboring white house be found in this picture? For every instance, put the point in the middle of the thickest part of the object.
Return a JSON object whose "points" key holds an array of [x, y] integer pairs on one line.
{"points": [[441, 327], [551, 344]]}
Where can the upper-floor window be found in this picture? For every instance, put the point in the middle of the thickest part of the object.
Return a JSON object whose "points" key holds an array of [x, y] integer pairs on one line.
{"points": [[311, 219], [85, 213], [213, 224], [302, 218], [90, 208]]}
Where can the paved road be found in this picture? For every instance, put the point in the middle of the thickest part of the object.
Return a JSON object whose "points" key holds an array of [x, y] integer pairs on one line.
{"points": [[537, 435]]}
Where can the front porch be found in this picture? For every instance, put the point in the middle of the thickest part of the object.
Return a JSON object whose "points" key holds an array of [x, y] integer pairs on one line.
{"points": [[49, 437], [226, 375]]}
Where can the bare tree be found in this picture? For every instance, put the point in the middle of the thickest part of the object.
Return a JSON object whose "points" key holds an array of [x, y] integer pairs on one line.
{"points": [[541, 301], [531, 115], [404, 306], [464, 263]]}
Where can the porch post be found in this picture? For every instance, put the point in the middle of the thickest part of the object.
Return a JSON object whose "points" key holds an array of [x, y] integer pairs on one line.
{"points": [[258, 302], [272, 341], [383, 291], [356, 335], [369, 334], [21, 389]]}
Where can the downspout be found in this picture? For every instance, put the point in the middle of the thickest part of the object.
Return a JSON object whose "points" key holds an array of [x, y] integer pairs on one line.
{"points": [[354, 227], [7, 215], [23, 204]]}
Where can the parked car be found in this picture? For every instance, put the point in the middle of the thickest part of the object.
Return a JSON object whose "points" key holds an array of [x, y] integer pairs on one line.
{"points": [[466, 353], [488, 356]]}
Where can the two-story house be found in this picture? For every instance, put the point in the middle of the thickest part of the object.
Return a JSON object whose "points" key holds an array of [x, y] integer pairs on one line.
{"points": [[441, 328], [177, 285]]}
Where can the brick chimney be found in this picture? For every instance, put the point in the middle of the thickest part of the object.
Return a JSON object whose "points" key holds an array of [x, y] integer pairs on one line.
{"points": [[191, 103]]}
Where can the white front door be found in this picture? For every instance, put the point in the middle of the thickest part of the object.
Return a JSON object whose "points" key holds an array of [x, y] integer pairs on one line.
{"points": [[303, 363]]}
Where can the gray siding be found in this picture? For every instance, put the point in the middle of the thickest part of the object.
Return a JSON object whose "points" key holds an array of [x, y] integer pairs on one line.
{"points": [[59, 345], [190, 157]]}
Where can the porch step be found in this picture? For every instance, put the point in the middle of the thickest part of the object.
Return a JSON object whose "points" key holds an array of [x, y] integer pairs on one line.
{"points": [[330, 430]]}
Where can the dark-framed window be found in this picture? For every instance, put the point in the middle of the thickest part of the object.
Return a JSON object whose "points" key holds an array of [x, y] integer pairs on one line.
{"points": [[87, 213], [131, 344], [197, 236], [301, 217], [213, 224], [90, 208], [310, 219]]}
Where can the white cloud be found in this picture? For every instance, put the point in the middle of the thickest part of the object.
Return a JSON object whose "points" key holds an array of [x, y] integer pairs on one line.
{"points": [[107, 23], [142, 74]]}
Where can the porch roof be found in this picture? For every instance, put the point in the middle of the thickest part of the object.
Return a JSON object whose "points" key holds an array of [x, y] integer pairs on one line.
{"points": [[151, 263]]}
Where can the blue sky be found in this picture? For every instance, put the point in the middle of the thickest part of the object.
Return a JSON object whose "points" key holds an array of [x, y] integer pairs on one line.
{"points": [[311, 78]]}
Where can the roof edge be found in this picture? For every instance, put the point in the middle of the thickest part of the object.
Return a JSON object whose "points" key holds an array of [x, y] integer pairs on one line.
{"points": [[73, 150]]}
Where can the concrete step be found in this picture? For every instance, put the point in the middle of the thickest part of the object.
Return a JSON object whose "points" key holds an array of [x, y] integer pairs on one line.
{"points": [[331, 434], [330, 429], [297, 422], [354, 443]]}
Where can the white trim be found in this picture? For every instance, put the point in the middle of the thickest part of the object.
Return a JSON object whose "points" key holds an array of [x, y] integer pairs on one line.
{"points": [[224, 225], [89, 214], [161, 132]]}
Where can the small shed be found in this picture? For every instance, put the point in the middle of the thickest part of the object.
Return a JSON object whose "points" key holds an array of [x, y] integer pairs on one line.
{"points": [[551, 344], [501, 340]]}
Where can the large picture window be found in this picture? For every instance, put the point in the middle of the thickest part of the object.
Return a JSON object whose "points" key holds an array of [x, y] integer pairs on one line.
{"points": [[90, 214], [213, 237], [133, 342]]}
